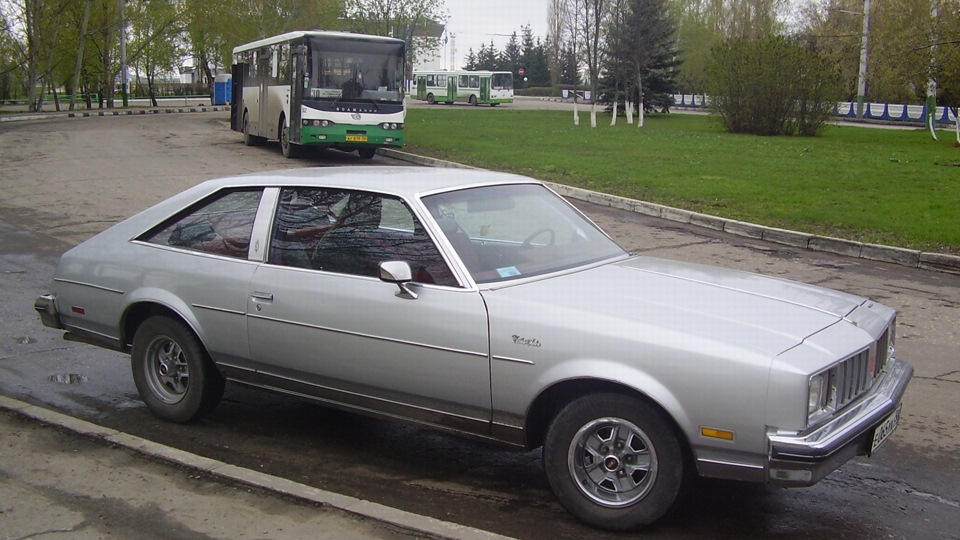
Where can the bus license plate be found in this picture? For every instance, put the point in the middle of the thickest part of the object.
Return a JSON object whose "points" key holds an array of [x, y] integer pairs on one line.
{"points": [[356, 138], [883, 431]]}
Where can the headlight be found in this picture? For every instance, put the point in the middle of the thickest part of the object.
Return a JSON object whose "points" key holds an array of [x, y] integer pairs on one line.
{"points": [[391, 125], [318, 123], [818, 395]]}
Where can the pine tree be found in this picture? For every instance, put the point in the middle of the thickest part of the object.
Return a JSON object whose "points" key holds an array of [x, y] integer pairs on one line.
{"points": [[642, 54]]}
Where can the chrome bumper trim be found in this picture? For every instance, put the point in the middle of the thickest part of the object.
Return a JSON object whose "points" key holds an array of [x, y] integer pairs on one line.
{"points": [[46, 306], [805, 458]]}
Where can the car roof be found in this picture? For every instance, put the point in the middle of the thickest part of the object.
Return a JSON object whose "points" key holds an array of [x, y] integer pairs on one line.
{"points": [[408, 182]]}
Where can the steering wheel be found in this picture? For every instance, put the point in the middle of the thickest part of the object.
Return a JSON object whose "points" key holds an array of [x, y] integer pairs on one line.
{"points": [[528, 243]]}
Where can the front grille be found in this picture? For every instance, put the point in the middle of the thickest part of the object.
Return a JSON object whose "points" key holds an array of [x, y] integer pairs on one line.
{"points": [[855, 375]]}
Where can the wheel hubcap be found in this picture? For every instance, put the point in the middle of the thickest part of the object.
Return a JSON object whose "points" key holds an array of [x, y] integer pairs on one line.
{"points": [[167, 372], [613, 462]]}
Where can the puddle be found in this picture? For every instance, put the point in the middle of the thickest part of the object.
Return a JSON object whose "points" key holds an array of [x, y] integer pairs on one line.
{"points": [[68, 378]]}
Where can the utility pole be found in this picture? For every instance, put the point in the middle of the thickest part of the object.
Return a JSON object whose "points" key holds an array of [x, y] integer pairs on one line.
{"points": [[931, 118], [123, 56], [864, 49]]}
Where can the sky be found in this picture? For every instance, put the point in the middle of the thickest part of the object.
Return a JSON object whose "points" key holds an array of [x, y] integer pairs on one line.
{"points": [[478, 22]]}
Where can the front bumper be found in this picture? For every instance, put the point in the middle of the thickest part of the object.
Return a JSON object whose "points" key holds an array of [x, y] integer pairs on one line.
{"points": [[806, 458], [355, 136], [46, 306]]}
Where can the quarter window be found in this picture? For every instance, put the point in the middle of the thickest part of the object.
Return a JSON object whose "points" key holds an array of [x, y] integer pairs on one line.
{"points": [[220, 225]]}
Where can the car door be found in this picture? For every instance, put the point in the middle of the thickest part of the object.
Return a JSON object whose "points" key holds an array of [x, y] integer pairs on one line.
{"points": [[321, 323]]}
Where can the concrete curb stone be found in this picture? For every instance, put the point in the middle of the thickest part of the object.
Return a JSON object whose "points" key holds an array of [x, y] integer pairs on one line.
{"points": [[939, 262], [890, 254], [89, 113], [406, 520]]}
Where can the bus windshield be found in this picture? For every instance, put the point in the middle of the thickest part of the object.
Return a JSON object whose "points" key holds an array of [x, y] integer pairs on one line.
{"points": [[353, 69], [503, 80]]}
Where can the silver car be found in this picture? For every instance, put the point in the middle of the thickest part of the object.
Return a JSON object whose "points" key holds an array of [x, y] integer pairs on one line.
{"points": [[485, 305]]}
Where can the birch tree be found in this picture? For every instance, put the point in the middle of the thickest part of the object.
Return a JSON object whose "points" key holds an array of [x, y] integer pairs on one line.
{"points": [[589, 17]]}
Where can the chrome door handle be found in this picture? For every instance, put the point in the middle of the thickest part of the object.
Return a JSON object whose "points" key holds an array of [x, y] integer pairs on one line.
{"points": [[265, 297]]}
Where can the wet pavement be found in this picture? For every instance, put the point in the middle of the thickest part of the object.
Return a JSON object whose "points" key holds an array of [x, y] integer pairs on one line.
{"points": [[910, 489]]}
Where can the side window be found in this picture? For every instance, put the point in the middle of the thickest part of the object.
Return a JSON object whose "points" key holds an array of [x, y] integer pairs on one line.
{"points": [[351, 232], [464, 80], [474, 81], [220, 225]]}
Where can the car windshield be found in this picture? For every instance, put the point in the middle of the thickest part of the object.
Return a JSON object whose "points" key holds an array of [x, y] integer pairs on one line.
{"points": [[515, 231]]}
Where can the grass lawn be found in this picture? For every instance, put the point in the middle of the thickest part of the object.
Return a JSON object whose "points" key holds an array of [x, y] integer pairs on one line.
{"points": [[894, 187]]}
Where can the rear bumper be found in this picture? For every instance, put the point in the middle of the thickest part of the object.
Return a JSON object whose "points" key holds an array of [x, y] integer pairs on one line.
{"points": [[806, 458], [46, 306]]}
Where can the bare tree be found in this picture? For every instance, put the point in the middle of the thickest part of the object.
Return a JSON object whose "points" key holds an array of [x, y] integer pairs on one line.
{"points": [[589, 29], [557, 23]]}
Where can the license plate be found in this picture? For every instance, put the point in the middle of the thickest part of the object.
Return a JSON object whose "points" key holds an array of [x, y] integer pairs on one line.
{"points": [[356, 138], [883, 431]]}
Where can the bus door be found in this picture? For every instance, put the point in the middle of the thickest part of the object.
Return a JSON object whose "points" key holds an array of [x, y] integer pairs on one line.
{"points": [[451, 88], [484, 89], [298, 55], [263, 73], [421, 87], [236, 97]]}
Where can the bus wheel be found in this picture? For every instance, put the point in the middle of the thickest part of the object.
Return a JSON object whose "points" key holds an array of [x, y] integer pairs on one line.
{"points": [[367, 153], [248, 139], [290, 150], [473, 100], [430, 99]]}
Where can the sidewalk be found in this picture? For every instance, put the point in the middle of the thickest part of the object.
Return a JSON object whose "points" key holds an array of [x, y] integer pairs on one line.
{"points": [[61, 477]]}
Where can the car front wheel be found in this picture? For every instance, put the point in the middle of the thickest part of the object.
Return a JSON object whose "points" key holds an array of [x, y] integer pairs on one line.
{"points": [[614, 461], [173, 373]]}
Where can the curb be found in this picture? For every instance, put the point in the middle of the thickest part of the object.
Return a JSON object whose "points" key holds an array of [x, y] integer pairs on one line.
{"points": [[938, 262], [89, 113], [378, 512]]}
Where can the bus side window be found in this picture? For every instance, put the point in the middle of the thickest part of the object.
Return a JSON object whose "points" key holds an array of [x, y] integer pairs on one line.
{"points": [[275, 62]]}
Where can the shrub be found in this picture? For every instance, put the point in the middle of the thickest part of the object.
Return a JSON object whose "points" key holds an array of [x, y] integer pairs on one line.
{"points": [[771, 86], [537, 91]]}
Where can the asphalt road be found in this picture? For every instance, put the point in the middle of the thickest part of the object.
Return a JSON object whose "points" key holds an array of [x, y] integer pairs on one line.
{"points": [[63, 180]]}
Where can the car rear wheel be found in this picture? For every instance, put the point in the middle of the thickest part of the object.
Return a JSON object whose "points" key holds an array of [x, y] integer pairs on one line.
{"points": [[614, 461], [173, 373]]}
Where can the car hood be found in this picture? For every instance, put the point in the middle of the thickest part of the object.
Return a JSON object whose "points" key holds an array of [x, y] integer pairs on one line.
{"points": [[653, 297]]}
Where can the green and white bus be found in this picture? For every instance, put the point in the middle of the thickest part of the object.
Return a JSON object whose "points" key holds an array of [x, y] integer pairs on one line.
{"points": [[328, 89], [473, 87]]}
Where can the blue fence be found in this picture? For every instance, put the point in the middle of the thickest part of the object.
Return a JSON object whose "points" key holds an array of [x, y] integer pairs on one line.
{"points": [[846, 109]]}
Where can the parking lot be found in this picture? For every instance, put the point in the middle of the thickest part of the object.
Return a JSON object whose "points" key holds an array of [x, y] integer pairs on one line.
{"points": [[66, 179]]}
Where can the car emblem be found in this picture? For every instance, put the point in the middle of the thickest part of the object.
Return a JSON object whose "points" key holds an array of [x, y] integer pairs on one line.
{"points": [[355, 116]]}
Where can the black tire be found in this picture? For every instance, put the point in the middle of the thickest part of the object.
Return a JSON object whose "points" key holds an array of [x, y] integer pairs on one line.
{"points": [[430, 99], [634, 455], [289, 149], [367, 153], [473, 100], [173, 372], [248, 139]]}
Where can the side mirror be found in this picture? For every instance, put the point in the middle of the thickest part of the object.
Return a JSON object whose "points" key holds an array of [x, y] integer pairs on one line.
{"points": [[399, 273]]}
